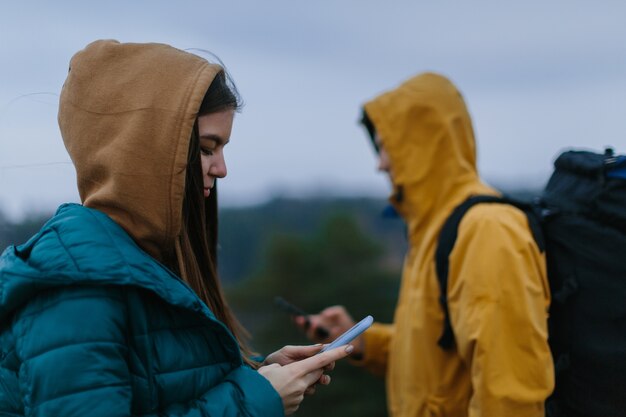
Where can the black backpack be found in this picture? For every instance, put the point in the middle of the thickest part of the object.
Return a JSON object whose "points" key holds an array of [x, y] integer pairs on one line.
{"points": [[580, 222]]}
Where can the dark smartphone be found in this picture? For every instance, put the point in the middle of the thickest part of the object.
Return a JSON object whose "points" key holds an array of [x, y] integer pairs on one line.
{"points": [[286, 306]]}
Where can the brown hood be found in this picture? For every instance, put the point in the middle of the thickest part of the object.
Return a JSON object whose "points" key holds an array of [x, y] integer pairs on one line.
{"points": [[426, 129], [126, 115]]}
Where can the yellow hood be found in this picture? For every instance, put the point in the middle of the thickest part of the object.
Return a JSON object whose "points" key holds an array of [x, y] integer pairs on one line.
{"points": [[126, 115], [426, 129], [497, 291]]}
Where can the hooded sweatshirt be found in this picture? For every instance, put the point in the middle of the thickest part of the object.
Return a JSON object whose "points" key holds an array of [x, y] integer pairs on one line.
{"points": [[498, 292], [91, 323]]}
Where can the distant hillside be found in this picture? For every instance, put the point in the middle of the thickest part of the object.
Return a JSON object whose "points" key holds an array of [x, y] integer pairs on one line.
{"points": [[245, 232], [16, 233]]}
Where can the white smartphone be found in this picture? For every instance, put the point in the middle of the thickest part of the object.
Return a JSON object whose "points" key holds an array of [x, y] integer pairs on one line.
{"points": [[351, 334]]}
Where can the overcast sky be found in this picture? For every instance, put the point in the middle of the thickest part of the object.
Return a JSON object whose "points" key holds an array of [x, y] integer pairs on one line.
{"points": [[538, 76]]}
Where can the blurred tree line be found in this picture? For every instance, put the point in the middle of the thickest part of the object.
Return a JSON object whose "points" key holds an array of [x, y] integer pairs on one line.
{"points": [[19, 232]]}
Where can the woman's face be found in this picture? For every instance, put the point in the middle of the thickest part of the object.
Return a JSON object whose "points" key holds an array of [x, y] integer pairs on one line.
{"points": [[214, 131]]}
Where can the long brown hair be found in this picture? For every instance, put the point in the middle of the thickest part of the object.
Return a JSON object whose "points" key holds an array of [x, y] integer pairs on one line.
{"points": [[197, 246]]}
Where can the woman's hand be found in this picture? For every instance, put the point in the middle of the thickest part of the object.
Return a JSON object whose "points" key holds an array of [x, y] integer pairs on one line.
{"points": [[336, 320], [289, 354], [294, 379]]}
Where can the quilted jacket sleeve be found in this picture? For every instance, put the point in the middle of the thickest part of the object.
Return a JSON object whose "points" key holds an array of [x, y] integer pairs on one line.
{"points": [[73, 352], [244, 392]]}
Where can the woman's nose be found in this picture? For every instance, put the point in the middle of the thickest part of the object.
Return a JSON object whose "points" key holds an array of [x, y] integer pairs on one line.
{"points": [[218, 168]]}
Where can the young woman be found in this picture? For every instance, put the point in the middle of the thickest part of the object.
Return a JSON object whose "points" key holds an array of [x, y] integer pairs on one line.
{"points": [[114, 308]]}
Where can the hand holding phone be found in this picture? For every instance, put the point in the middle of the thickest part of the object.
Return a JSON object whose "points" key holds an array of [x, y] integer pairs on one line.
{"points": [[351, 334], [286, 306]]}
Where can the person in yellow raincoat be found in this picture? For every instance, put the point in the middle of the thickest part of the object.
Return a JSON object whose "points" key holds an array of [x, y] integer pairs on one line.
{"points": [[498, 291]]}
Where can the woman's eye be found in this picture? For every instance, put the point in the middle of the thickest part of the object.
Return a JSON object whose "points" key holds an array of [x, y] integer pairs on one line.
{"points": [[206, 151]]}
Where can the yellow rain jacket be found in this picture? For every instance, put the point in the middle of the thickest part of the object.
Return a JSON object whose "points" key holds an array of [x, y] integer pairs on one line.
{"points": [[498, 291]]}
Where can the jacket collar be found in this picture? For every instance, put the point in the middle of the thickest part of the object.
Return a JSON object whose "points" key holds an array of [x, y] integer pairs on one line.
{"points": [[82, 246]]}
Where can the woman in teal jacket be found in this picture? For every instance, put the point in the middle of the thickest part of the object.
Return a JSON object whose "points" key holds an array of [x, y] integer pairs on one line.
{"points": [[114, 308]]}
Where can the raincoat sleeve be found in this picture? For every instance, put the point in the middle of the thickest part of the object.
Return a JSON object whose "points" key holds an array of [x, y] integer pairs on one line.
{"points": [[498, 299], [73, 349], [376, 348]]}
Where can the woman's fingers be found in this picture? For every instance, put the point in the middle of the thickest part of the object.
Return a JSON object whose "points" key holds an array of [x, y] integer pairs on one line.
{"points": [[301, 352], [323, 380], [311, 368], [289, 354]]}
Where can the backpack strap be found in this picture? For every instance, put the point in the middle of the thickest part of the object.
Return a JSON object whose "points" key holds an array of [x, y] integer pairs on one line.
{"points": [[447, 239]]}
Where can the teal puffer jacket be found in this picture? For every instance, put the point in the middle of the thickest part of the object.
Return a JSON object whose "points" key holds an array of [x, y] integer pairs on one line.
{"points": [[90, 325]]}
